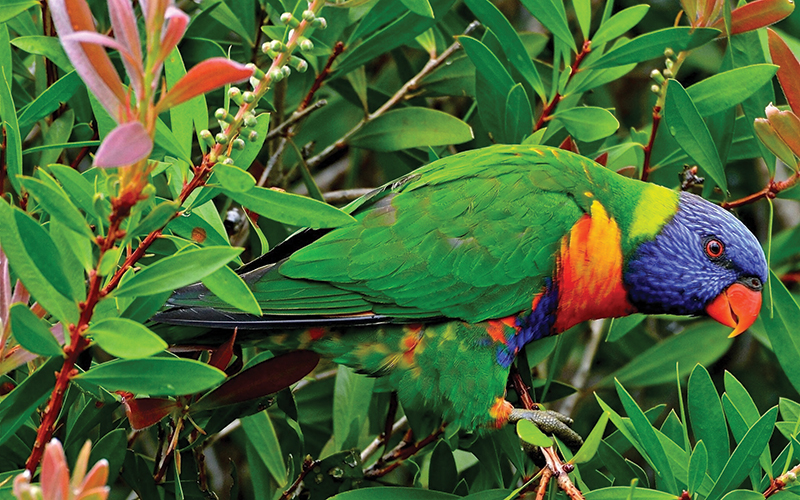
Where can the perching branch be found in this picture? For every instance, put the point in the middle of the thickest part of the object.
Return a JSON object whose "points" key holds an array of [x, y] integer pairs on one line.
{"points": [[770, 191], [551, 106]]}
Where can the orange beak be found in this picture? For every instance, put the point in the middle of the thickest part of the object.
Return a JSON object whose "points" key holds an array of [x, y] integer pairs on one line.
{"points": [[737, 306]]}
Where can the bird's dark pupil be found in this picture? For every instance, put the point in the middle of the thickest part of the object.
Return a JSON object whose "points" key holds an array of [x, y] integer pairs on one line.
{"points": [[714, 248]]}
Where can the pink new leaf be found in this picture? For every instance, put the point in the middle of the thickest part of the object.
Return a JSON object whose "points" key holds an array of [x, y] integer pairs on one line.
{"points": [[123, 21], [756, 14], [125, 145], [204, 77], [176, 22], [90, 60], [54, 477], [789, 70]]}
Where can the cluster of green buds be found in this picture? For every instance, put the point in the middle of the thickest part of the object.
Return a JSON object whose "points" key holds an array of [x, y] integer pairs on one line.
{"points": [[661, 76]]}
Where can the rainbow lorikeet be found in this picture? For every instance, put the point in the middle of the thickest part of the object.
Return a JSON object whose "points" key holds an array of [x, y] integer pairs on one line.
{"points": [[449, 271]]}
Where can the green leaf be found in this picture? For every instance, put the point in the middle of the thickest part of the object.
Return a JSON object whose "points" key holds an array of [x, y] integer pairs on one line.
{"points": [[491, 17], [701, 343], [125, 338], [519, 120], [157, 218], [78, 188], [12, 8], [261, 434], [32, 333], [49, 100], [13, 140], [443, 472], [165, 376], [351, 394], [592, 442], [741, 460], [588, 123], [233, 178], [17, 407], [781, 326], [552, 15], [177, 270], [688, 128], [57, 204], [411, 128], [57, 135], [419, 7], [492, 86], [649, 439], [744, 495], [291, 208], [229, 286], [528, 432], [223, 14], [48, 46], [583, 11], [698, 464], [35, 260], [618, 492], [620, 327], [725, 90], [619, 24], [707, 418], [651, 45]]}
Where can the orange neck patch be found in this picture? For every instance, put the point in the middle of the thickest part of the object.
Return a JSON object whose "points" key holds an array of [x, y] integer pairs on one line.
{"points": [[589, 272]]}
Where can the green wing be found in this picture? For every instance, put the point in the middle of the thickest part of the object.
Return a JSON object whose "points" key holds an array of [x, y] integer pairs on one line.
{"points": [[471, 236]]}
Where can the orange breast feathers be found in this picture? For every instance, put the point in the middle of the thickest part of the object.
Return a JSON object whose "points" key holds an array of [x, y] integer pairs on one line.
{"points": [[589, 271]]}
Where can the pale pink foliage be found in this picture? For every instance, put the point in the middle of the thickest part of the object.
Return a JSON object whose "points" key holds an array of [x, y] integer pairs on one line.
{"points": [[54, 477]]}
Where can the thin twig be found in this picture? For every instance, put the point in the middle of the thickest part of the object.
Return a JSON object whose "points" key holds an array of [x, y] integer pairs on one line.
{"points": [[648, 150], [380, 440], [543, 482], [323, 75], [345, 195], [770, 191], [308, 466], [294, 118], [409, 86]]}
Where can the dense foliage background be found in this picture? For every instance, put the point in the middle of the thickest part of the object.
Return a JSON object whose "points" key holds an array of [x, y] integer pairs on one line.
{"points": [[388, 87]]}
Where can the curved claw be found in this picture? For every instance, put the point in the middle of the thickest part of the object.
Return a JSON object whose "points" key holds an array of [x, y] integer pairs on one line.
{"points": [[550, 422]]}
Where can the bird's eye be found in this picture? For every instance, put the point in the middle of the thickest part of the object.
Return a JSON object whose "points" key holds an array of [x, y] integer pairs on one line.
{"points": [[714, 248], [754, 283]]}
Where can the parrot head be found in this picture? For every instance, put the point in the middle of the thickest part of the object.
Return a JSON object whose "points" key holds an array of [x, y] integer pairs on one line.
{"points": [[702, 261]]}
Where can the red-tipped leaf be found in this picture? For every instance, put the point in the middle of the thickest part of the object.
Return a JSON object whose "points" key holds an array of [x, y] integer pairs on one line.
{"points": [[144, 412], [789, 71], [90, 60], [204, 77], [223, 354], [126, 32], [756, 14], [176, 22]]}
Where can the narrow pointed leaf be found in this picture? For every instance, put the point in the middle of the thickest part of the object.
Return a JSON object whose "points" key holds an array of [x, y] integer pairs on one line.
{"points": [[789, 72], [707, 418], [725, 90], [619, 24], [233, 178], [698, 464], [125, 338], [652, 45], [411, 128], [649, 439], [145, 412], [32, 333], [741, 460], [177, 270], [513, 47], [49, 100], [592, 442], [13, 140], [165, 376], [588, 123], [290, 208], [55, 201], [519, 120], [685, 124], [229, 286], [552, 15], [781, 328]]}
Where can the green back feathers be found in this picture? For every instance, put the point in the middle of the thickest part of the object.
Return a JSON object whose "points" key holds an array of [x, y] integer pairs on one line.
{"points": [[471, 236]]}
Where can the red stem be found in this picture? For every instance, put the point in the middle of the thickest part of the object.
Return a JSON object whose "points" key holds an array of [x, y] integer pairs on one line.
{"points": [[337, 49], [770, 191], [648, 150], [121, 209], [548, 110]]}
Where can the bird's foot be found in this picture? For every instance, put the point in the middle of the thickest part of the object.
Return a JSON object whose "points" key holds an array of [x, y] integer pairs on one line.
{"points": [[550, 422]]}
